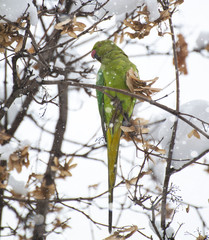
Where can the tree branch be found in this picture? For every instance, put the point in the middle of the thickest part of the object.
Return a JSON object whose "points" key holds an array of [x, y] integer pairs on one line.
{"points": [[125, 92], [168, 171]]}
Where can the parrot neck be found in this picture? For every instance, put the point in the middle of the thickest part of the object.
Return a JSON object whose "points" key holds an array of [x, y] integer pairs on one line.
{"points": [[112, 55]]}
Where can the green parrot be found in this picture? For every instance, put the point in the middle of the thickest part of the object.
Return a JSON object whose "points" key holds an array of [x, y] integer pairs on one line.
{"points": [[115, 108]]}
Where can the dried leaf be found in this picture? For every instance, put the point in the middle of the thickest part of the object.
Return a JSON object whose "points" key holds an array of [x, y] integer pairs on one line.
{"points": [[36, 176], [58, 223], [194, 133], [80, 25], [72, 34], [94, 29], [3, 173], [187, 208], [207, 170], [24, 152], [59, 26], [144, 130], [164, 15], [127, 129], [143, 26], [132, 79], [138, 86], [56, 161], [134, 132], [36, 66], [178, 2], [117, 235], [134, 25], [18, 159], [63, 171], [72, 166], [200, 237], [3, 185], [169, 211], [2, 50], [161, 151], [182, 53], [19, 45], [128, 185], [44, 191], [14, 157], [95, 186], [9, 34], [141, 29], [134, 180], [122, 37], [4, 136], [131, 182], [149, 146], [69, 26], [140, 122], [129, 79], [115, 38], [31, 50]]}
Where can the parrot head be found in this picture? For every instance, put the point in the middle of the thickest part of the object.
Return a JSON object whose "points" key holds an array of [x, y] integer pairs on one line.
{"points": [[102, 48]]}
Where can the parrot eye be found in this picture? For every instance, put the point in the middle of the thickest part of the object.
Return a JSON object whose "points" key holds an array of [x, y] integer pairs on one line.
{"points": [[94, 55]]}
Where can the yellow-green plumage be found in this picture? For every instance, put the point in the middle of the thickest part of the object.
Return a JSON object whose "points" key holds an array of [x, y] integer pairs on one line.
{"points": [[114, 108]]}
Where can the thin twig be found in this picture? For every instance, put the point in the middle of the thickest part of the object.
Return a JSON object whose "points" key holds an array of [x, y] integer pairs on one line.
{"points": [[173, 137]]}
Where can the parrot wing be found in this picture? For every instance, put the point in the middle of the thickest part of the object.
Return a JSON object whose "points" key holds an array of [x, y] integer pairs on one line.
{"points": [[100, 100]]}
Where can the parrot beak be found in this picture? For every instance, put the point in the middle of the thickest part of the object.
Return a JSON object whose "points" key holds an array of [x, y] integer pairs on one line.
{"points": [[93, 53]]}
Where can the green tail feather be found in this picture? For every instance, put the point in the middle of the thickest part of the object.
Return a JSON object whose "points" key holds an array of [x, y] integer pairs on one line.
{"points": [[113, 140]]}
